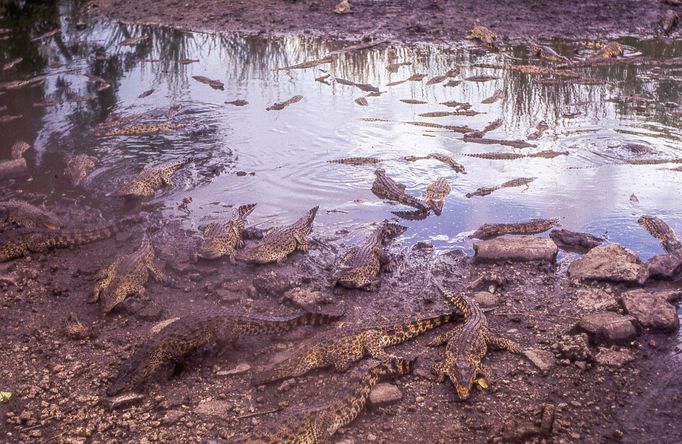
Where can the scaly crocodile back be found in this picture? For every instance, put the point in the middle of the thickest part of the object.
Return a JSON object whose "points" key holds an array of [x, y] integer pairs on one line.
{"points": [[252, 326], [463, 304], [661, 231], [306, 222], [403, 332], [66, 239], [244, 211]]}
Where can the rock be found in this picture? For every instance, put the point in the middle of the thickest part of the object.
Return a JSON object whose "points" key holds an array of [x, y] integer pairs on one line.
{"points": [[524, 248], [609, 327], [240, 368], [384, 393], [542, 359], [151, 311], [651, 311], [227, 295], [614, 358], [272, 283], [573, 348], [304, 296], [122, 401], [592, 299], [666, 266], [612, 262], [172, 416], [485, 299], [214, 407]]}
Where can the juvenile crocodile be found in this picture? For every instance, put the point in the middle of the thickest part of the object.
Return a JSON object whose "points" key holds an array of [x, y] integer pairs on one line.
{"points": [[518, 182], [547, 53], [572, 239], [533, 226], [143, 129], [281, 105], [151, 179], [340, 349], [23, 214], [26, 241], [449, 161], [467, 345], [317, 426], [661, 231], [485, 35], [548, 154], [174, 343], [356, 161], [386, 188], [436, 193], [126, 275], [223, 238], [361, 264], [529, 69], [279, 243], [79, 167], [17, 163], [539, 129], [472, 138]]}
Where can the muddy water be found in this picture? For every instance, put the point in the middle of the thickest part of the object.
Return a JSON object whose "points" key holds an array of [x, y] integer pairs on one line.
{"points": [[284, 153]]}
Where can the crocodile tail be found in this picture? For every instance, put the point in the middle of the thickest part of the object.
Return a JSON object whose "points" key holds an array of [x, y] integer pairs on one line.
{"points": [[244, 211], [404, 332], [391, 230], [456, 299], [67, 239], [270, 326]]}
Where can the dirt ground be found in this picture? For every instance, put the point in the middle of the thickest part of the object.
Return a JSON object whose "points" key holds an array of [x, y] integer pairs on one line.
{"points": [[445, 21]]}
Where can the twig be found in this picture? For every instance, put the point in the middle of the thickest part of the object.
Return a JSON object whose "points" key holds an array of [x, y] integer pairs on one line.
{"points": [[251, 415]]}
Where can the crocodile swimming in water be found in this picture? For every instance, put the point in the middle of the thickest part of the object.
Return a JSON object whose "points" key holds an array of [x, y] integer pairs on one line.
{"points": [[547, 53], [361, 264], [661, 231], [317, 426], [467, 345], [151, 179], [449, 161], [143, 129], [25, 241], [518, 182], [126, 275], [533, 226], [386, 188], [14, 212], [175, 342], [79, 167], [356, 161], [436, 193], [574, 240], [279, 243], [223, 238]]}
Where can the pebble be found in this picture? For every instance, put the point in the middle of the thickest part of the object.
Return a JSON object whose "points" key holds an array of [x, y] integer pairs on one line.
{"points": [[385, 393], [240, 368]]}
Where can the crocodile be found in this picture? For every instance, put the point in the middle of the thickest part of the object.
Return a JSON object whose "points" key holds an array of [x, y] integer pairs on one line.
{"points": [[472, 138], [450, 113], [436, 193], [449, 161], [547, 53], [547, 154], [455, 128], [279, 243], [661, 231], [485, 35], [174, 343], [79, 167], [317, 426], [356, 161], [529, 69], [222, 238], [23, 214], [151, 179], [126, 275], [533, 226], [492, 126], [539, 129], [669, 20], [518, 182], [281, 105], [340, 349], [361, 264], [574, 240], [497, 95], [215, 84], [467, 345], [17, 163], [609, 50], [386, 188], [35, 240]]}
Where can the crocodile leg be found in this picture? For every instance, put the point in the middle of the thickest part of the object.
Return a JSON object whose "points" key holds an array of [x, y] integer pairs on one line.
{"points": [[439, 370], [372, 345], [445, 337], [158, 274], [104, 278], [301, 243], [372, 285], [166, 178], [501, 343]]}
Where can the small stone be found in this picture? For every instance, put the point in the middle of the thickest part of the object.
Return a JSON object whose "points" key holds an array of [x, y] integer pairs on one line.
{"points": [[172, 416], [214, 407], [614, 358], [522, 248], [651, 311], [304, 296], [286, 385], [240, 368], [485, 299], [384, 393], [122, 401], [542, 359], [609, 327], [228, 295], [592, 299], [150, 311]]}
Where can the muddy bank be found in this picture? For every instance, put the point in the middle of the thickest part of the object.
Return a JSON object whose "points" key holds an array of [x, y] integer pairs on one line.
{"points": [[441, 21]]}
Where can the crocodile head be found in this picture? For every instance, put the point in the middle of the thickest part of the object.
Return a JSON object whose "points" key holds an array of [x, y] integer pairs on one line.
{"points": [[112, 295], [133, 373], [212, 249], [462, 377], [391, 230]]}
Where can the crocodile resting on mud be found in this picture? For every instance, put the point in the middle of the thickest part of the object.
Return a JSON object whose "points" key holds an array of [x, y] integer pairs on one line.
{"points": [[386, 188], [151, 179], [317, 426], [126, 275], [26, 241], [361, 264], [661, 231], [467, 345], [436, 193], [342, 348], [18, 213], [533, 226], [279, 243], [175, 342], [223, 238]]}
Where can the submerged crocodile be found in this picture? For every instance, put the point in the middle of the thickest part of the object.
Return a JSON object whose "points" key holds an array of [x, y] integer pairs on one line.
{"points": [[661, 231], [23, 214], [340, 349], [533, 226], [483, 34], [126, 275], [436, 193], [143, 129], [26, 241], [356, 161], [449, 161], [467, 345], [317, 426], [518, 182], [361, 264], [279, 243], [174, 343], [79, 167], [151, 179], [386, 188], [548, 154], [575, 240], [281, 105], [223, 238]]}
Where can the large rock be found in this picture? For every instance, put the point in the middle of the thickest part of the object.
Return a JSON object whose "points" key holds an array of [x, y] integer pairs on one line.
{"points": [[542, 359], [613, 263], [666, 266], [592, 299], [384, 393], [214, 407], [609, 327], [651, 311], [524, 248]]}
